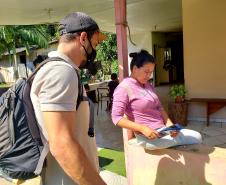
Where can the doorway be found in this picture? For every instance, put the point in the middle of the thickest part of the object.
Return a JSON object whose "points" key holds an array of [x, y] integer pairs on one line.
{"points": [[169, 58]]}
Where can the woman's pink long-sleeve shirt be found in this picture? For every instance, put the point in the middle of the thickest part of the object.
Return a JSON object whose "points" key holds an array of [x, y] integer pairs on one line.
{"points": [[139, 103]]}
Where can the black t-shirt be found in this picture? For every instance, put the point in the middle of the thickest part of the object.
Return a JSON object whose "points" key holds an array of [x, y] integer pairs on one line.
{"points": [[112, 85]]}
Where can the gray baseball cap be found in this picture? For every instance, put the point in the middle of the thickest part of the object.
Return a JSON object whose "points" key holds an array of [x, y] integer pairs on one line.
{"points": [[78, 22]]}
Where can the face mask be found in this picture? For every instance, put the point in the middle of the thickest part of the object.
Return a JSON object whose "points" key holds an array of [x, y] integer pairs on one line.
{"points": [[90, 64], [92, 67]]}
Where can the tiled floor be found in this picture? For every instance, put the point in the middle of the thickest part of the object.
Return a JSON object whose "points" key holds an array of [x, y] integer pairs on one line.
{"points": [[214, 135], [110, 136], [107, 134]]}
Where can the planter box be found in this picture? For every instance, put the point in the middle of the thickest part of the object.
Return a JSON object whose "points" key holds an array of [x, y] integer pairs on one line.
{"points": [[178, 112]]}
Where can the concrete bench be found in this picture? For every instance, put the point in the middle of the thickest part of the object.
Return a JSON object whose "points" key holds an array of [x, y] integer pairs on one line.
{"points": [[212, 105], [184, 165]]}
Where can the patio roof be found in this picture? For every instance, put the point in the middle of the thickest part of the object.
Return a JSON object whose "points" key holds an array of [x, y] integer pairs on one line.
{"points": [[142, 15], [20, 50]]}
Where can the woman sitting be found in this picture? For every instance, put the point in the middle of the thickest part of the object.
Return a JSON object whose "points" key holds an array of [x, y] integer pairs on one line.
{"points": [[136, 99]]}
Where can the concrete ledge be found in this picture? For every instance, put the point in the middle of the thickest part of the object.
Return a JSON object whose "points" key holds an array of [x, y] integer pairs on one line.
{"points": [[184, 165], [34, 181]]}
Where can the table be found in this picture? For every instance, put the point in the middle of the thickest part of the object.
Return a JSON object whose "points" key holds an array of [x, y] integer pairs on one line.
{"points": [[212, 105]]}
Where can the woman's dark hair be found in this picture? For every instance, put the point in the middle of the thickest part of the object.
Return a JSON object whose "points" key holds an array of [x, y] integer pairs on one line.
{"points": [[141, 58]]}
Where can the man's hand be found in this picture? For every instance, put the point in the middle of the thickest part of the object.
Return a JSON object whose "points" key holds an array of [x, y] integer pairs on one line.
{"points": [[149, 133]]}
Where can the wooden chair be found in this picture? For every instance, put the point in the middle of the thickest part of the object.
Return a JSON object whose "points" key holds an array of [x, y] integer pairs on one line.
{"points": [[102, 95]]}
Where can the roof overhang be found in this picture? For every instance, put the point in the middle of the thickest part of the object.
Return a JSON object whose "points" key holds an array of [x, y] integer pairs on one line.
{"points": [[142, 15]]}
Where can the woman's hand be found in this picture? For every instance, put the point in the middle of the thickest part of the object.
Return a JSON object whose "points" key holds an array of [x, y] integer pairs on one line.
{"points": [[148, 132], [173, 133], [168, 124]]}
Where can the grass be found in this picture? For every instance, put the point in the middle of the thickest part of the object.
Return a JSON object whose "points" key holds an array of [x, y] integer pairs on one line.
{"points": [[5, 85], [113, 161]]}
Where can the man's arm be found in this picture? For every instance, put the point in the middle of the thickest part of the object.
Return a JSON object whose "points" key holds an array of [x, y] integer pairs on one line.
{"points": [[67, 151]]}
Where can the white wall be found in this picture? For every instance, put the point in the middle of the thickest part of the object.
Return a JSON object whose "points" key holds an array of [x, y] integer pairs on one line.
{"points": [[204, 28], [142, 40]]}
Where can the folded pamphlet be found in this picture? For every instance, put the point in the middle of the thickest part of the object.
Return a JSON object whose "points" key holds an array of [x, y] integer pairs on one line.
{"points": [[166, 130]]}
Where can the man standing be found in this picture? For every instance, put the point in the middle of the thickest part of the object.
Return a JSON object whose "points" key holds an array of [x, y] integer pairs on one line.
{"points": [[73, 159]]}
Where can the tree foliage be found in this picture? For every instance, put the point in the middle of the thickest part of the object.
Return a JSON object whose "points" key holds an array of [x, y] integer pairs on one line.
{"points": [[23, 36], [15, 36], [52, 31], [107, 55]]}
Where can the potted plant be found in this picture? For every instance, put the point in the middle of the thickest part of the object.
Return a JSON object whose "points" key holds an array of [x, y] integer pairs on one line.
{"points": [[178, 92], [178, 108]]}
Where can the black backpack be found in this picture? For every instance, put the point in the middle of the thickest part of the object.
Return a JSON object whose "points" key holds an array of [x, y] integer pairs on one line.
{"points": [[22, 152]]}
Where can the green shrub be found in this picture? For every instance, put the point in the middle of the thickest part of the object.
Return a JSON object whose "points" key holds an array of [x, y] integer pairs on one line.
{"points": [[177, 93]]}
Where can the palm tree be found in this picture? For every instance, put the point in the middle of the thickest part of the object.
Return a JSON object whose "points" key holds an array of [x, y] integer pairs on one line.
{"points": [[13, 36]]}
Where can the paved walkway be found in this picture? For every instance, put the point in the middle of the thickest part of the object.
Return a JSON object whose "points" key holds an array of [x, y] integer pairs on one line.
{"points": [[214, 135]]}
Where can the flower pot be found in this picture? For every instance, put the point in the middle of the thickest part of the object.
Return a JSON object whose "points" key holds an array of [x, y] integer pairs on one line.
{"points": [[179, 99], [178, 112]]}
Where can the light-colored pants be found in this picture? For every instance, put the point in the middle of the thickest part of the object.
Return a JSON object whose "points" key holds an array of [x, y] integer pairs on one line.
{"points": [[184, 137]]}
